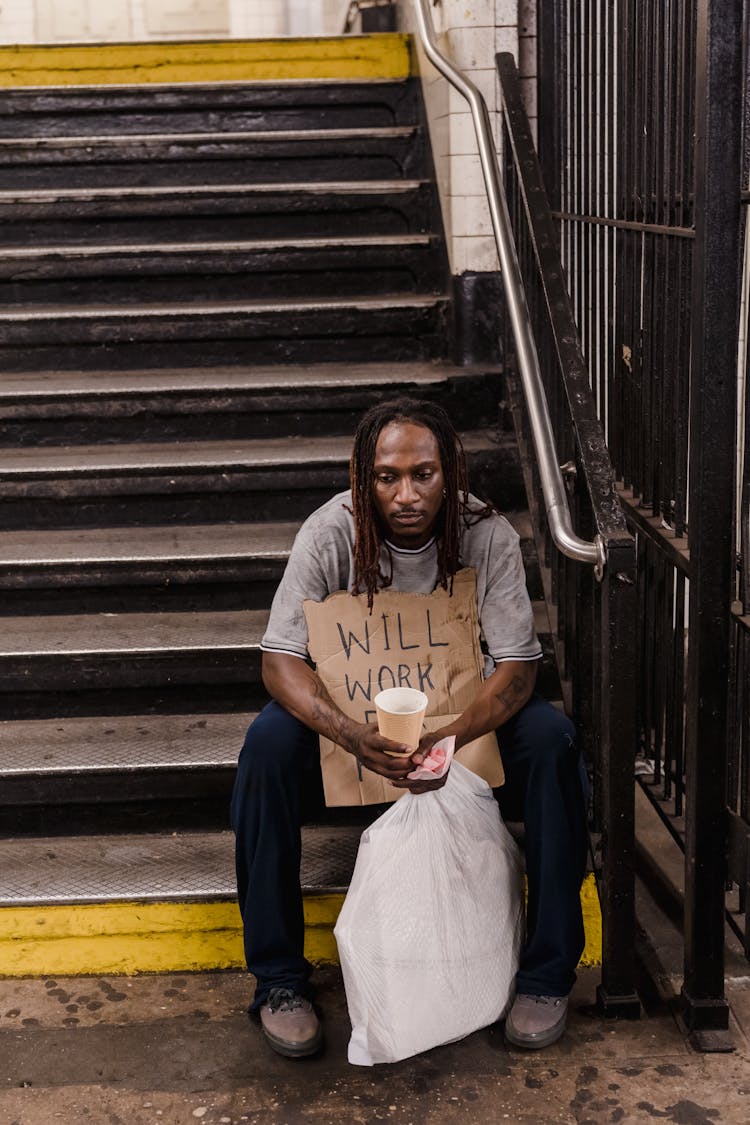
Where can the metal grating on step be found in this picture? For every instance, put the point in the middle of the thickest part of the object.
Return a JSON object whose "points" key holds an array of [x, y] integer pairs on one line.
{"points": [[120, 743], [179, 868]]}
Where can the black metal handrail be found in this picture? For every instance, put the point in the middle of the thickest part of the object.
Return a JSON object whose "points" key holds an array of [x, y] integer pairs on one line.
{"points": [[644, 112], [595, 624]]}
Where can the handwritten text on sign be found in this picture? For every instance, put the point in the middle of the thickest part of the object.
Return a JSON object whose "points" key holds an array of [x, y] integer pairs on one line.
{"points": [[424, 641], [397, 638]]}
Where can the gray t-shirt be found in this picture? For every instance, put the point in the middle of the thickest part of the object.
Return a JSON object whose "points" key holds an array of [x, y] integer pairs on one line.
{"points": [[321, 563]]}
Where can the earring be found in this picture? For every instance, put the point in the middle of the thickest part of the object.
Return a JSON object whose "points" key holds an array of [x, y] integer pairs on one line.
{"points": [[445, 493]]}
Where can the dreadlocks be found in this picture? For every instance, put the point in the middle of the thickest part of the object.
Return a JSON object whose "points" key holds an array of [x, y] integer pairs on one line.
{"points": [[367, 530]]}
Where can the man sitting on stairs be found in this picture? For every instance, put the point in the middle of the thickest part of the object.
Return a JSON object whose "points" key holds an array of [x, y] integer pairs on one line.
{"points": [[408, 523]]}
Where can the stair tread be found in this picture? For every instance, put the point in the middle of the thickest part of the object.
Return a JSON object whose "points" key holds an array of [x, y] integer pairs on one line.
{"points": [[216, 136], [124, 743], [169, 543], [128, 634], [212, 380], [235, 246], [183, 457], [179, 867], [189, 90], [172, 543], [320, 187], [10, 313]]}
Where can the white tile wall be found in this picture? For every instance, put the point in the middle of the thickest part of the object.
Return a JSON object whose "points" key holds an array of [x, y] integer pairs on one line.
{"points": [[470, 33], [247, 19], [17, 22], [255, 19]]}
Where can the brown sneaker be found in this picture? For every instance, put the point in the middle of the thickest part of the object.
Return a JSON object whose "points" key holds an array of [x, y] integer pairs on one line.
{"points": [[536, 1021], [290, 1024]]}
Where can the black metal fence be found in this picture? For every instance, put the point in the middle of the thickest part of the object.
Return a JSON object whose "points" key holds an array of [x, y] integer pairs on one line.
{"points": [[641, 134], [594, 617]]}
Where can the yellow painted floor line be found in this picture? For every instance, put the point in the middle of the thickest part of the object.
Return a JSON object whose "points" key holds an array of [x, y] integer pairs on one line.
{"points": [[381, 56], [129, 938]]}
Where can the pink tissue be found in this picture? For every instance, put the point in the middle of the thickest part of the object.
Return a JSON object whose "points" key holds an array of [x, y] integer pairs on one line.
{"points": [[437, 763]]}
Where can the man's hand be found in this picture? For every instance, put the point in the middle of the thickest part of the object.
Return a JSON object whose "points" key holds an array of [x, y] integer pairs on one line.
{"points": [[424, 785], [369, 747]]}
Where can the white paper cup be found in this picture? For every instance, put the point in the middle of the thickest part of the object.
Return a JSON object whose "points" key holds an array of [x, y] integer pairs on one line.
{"points": [[400, 713]]}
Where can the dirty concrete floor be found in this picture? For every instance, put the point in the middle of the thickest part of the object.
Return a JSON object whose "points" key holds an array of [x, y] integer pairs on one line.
{"points": [[179, 1049]]}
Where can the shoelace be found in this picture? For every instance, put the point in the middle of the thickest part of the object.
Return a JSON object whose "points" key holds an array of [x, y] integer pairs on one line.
{"points": [[548, 1001], [284, 1000]]}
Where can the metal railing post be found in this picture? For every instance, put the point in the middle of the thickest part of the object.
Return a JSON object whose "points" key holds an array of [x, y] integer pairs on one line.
{"points": [[715, 311], [615, 646]]}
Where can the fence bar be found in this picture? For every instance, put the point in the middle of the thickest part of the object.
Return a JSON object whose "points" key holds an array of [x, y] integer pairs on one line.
{"points": [[604, 682], [715, 304], [616, 993]]}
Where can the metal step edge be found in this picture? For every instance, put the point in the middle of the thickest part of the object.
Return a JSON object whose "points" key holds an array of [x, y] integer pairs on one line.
{"points": [[116, 140], [46, 748], [235, 247], [56, 313], [131, 635], [163, 544], [10, 196], [151, 91], [181, 867], [169, 546], [189, 457], [61, 385]]}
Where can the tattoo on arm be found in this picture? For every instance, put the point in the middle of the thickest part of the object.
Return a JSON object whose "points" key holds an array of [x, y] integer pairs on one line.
{"points": [[513, 696], [324, 710]]}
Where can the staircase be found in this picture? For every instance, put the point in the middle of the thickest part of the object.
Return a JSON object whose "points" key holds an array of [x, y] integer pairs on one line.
{"points": [[201, 289]]}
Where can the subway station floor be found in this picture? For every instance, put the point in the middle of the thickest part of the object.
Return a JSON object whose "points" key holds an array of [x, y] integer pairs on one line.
{"points": [[179, 1049]]}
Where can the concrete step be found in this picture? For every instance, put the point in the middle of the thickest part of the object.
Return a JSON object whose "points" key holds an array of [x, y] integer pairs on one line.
{"points": [[192, 213], [119, 759], [228, 270], [139, 902], [71, 652], [190, 568], [208, 481], [154, 868], [121, 569], [390, 152], [388, 327], [81, 110], [173, 555], [129, 650], [77, 407], [123, 744]]}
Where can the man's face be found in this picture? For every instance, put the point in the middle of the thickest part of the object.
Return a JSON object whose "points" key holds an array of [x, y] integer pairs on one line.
{"points": [[408, 484]]}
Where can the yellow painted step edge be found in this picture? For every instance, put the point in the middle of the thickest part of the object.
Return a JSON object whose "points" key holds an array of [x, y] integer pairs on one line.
{"points": [[129, 938], [383, 56]]}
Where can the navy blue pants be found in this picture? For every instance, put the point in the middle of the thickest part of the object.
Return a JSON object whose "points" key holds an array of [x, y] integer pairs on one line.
{"points": [[279, 786]]}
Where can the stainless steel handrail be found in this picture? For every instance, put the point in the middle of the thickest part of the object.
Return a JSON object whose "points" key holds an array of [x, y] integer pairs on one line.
{"points": [[553, 488]]}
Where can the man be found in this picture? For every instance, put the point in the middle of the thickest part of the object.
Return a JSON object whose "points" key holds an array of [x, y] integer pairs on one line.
{"points": [[408, 523]]}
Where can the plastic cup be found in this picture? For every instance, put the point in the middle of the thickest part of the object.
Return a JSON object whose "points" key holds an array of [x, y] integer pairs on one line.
{"points": [[400, 713]]}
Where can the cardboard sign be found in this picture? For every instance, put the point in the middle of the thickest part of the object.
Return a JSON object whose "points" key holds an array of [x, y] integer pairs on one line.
{"points": [[424, 641]]}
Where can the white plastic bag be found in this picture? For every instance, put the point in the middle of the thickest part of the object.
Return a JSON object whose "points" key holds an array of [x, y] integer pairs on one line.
{"points": [[430, 931]]}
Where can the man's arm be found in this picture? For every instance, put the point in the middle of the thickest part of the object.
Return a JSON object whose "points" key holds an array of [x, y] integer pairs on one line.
{"points": [[300, 691], [501, 695], [499, 698]]}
